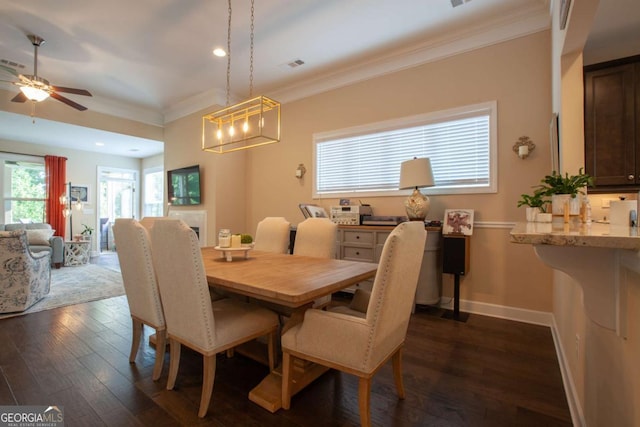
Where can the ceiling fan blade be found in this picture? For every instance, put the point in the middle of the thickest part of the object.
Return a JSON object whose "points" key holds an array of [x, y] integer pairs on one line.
{"points": [[71, 90], [68, 101], [20, 97], [9, 70]]}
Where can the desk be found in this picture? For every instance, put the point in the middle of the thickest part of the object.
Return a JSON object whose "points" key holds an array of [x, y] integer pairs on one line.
{"points": [[291, 281]]}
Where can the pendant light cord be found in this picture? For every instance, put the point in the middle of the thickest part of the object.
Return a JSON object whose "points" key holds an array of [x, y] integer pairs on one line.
{"points": [[251, 56], [229, 57]]}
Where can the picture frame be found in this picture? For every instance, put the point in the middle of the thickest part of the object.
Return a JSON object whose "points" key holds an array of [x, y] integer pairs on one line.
{"points": [[554, 142], [79, 193], [458, 221], [565, 5], [312, 211]]}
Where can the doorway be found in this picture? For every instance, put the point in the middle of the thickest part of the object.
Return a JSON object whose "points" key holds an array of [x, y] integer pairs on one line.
{"points": [[116, 199]]}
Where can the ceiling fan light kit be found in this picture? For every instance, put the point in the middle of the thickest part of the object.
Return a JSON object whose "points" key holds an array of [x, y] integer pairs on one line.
{"points": [[37, 89], [248, 124]]}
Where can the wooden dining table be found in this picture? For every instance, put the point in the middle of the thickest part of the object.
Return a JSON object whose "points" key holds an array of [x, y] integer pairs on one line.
{"points": [[291, 282]]}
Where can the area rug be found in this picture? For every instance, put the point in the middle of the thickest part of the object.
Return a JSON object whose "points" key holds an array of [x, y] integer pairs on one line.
{"points": [[75, 285]]}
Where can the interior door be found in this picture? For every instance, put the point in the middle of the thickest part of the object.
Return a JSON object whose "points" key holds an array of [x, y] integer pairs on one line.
{"points": [[118, 199]]}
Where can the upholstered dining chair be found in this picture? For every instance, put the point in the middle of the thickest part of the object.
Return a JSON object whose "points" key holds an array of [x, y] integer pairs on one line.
{"points": [[208, 327], [272, 235], [317, 237], [141, 287], [357, 345]]}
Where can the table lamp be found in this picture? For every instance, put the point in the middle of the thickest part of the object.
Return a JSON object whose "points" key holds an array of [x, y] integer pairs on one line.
{"points": [[416, 173]]}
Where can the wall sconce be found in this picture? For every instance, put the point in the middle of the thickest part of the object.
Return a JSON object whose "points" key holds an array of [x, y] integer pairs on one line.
{"points": [[300, 171], [523, 147]]}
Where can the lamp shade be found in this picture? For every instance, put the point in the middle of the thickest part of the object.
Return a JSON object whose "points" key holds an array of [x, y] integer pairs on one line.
{"points": [[416, 173]]}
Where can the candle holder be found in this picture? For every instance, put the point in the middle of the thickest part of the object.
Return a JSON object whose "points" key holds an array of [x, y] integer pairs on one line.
{"points": [[523, 147]]}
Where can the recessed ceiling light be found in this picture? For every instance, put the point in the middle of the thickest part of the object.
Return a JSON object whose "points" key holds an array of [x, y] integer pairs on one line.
{"points": [[220, 52], [99, 144]]}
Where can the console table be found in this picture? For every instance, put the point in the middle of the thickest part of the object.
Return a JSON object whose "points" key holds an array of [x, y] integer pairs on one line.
{"points": [[76, 253], [365, 243]]}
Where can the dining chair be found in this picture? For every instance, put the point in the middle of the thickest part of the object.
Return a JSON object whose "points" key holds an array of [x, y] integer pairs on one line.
{"points": [[141, 287], [208, 327], [272, 235], [317, 237], [362, 345]]}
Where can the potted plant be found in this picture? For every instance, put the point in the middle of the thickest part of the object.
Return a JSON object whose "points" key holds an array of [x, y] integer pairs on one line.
{"points": [[86, 232], [246, 240], [565, 189], [536, 202]]}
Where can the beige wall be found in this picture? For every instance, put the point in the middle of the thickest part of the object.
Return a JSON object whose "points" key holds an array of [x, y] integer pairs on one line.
{"points": [[222, 177], [515, 74]]}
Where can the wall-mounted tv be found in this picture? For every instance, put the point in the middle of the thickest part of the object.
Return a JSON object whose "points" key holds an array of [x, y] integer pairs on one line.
{"points": [[184, 186]]}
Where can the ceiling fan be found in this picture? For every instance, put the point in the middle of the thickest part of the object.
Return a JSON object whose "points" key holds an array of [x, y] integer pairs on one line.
{"points": [[36, 89]]}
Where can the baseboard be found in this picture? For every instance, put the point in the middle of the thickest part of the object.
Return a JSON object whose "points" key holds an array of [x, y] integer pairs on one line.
{"points": [[537, 318], [577, 415], [500, 311]]}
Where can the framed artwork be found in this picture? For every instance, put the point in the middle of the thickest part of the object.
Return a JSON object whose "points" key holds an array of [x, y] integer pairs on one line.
{"points": [[565, 5], [554, 138], [312, 211], [79, 193], [458, 221]]}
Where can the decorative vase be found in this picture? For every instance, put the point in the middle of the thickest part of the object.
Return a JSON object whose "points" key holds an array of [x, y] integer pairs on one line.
{"points": [[543, 217], [531, 213], [558, 201]]}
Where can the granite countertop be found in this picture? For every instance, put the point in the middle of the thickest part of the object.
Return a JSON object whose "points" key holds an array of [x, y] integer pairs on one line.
{"points": [[576, 234]]}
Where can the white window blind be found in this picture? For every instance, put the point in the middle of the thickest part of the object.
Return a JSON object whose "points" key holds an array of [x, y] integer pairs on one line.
{"points": [[367, 159]]}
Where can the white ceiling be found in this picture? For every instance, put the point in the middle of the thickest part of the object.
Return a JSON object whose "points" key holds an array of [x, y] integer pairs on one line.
{"points": [[150, 60]]}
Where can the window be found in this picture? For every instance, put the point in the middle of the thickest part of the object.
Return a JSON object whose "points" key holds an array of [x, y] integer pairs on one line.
{"points": [[24, 189], [153, 192], [365, 160]]}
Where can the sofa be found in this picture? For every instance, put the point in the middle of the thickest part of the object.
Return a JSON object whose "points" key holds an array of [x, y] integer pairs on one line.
{"points": [[40, 237]]}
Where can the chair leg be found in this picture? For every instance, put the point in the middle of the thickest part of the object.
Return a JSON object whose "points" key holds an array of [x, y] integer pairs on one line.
{"points": [[364, 397], [135, 339], [286, 380], [209, 375], [161, 348], [174, 362], [397, 372]]}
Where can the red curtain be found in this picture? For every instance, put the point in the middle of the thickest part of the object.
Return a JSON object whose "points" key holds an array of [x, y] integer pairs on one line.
{"points": [[56, 177]]}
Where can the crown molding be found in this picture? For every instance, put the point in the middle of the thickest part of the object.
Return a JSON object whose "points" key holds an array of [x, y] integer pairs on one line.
{"points": [[527, 22]]}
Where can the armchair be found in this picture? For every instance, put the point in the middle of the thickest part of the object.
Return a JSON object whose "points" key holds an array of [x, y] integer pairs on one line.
{"points": [[25, 277], [362, 345], [41, 239]]}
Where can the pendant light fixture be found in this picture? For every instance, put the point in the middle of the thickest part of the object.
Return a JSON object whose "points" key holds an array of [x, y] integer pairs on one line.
{"points": [[248, 124]]}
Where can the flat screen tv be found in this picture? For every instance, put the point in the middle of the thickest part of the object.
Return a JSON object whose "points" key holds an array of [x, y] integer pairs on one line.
{"points": [[184, 186]]}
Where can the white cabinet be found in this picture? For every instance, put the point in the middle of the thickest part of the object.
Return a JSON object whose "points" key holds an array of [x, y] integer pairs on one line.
{"points": [[365, 243]]}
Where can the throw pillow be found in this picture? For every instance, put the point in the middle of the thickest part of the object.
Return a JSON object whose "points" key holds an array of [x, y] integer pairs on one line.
{"points": [[39, 237]]}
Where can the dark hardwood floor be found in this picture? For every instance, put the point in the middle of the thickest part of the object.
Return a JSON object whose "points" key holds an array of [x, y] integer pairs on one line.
{"points": [[485, 372]]}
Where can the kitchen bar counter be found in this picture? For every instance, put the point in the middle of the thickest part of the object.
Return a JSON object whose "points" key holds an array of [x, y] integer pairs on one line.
{"points": [[575, 233], [604, 259]]}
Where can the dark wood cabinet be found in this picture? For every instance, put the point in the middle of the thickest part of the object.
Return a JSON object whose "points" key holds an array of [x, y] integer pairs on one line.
{"points": [[612, 124]]}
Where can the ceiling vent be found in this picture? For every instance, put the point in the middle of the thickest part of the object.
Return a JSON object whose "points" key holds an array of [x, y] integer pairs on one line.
{"points": [[10, 63], [295, 63], [456, 3]]}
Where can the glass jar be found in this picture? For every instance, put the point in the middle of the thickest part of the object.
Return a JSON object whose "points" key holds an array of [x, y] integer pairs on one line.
{"points": [[224, 238]]}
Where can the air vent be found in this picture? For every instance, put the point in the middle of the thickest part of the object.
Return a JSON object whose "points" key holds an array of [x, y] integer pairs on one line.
{"points": [[10, 63], [456, 3], [295, 63]]}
